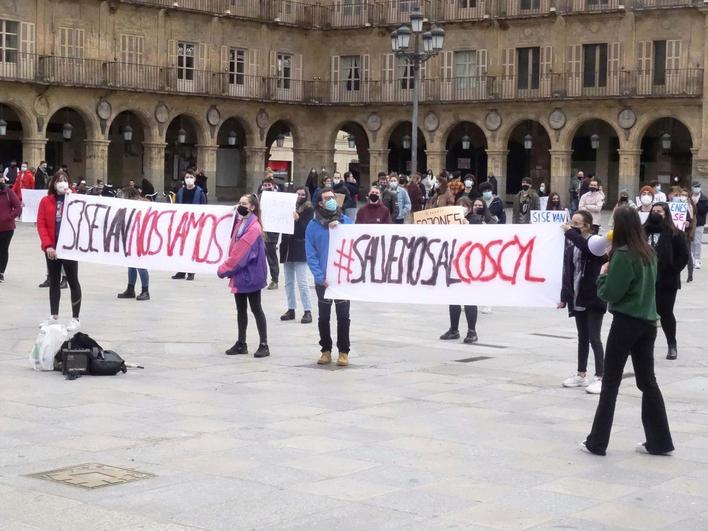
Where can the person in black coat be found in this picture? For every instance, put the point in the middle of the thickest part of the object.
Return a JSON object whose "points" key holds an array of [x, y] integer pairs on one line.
{"points": [[294, 259], [671, 248], [581, 269]]}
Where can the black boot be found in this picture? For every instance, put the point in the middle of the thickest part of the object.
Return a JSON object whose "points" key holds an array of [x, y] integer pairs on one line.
{"points": [[144, 295], [262, 352], [190, 276], [288, 316], [673, 353], [450, 334], [64, 284], [45, 284], [129, 292], [239, 347], [471, 337], [307, 317], [178, 276]]}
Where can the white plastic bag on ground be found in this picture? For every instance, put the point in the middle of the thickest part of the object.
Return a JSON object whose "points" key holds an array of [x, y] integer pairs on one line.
{"points": [[48, 343]]}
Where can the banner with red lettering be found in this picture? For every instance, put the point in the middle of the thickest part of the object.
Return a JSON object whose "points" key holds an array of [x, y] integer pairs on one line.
{"points": [[494, 265], [156, 236]]}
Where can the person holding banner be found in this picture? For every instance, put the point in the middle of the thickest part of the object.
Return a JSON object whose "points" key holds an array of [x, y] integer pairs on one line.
{"points": [[627, 284], [327, 216], [294, 259], [581, 268], [271, 238], [49, 219], [374, 211], [494, 203], [189, 194], [131, 192], [246, 269], [699, 199], [679, 199], [524, 202], [671, 249], [10, 208]]}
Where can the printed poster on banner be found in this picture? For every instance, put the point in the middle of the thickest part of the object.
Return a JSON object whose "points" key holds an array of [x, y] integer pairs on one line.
{"points": [[451, 215], [30, 204], [277, 212], [550, 216], [679, 213], [495, 265], [154, 236]]}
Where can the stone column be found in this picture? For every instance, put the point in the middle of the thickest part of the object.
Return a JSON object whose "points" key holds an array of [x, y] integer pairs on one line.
{"points": [[602, 161], [206, 161], [306, 158], [378, 161], [154, 164], [96, 161], [561, 166], [33, 150], [629, 164], [255, 165], [436, 160], [496, 165]]}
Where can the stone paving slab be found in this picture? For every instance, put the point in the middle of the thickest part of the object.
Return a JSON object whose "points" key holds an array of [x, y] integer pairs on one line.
{"points": [[406, 438]]}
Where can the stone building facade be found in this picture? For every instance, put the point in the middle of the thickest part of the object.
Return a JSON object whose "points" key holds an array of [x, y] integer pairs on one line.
{"points": [[119, 89]]}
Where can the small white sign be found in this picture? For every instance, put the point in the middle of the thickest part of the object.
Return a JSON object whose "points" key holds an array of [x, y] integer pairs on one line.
{"points": [[30, 204], [277, 212]]}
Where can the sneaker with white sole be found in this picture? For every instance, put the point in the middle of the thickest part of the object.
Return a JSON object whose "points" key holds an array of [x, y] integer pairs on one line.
{"points": [[697, 264], [576, 381], [595, 387], [485, 309], [641, 448], [50, 321], [73, 326]]}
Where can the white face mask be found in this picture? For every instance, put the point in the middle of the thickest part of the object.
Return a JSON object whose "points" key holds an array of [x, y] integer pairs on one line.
{"points": [[61, 187], [542, 188], [336, 181], [646, 200], [23, 167], [469, 184], [696, 189], [189, 181], [393, 185], [658, 188]]}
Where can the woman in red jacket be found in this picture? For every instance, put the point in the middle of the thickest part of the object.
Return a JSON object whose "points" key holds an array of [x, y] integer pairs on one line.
{"points": [[49, 219], [10, 209], [25, 179]]}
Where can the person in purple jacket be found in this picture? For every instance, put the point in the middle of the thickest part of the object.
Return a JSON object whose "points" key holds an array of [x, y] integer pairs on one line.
{"points": [[246, 269]]}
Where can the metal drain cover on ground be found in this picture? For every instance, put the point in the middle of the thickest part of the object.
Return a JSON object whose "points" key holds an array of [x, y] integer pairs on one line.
{"points": [[92, 475]]}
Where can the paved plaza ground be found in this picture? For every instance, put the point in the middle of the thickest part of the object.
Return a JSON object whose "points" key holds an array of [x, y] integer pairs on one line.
{"points": [[408, 437]]}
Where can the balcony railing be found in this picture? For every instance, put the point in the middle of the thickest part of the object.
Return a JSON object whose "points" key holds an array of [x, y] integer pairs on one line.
{"points": [[53, 70], [522, 8], [585, 6]]}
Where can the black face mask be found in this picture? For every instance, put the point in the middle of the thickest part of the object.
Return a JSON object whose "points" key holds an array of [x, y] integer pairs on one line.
{"points": [[624, 199], [593, 189], [479, 211], [556, 202], [242, 210], [525, 187], [655, 219], [301, 200], [374, 198], [576, 229], [2, 185]]}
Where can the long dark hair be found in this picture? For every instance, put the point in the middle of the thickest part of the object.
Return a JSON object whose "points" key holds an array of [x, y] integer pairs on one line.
{"points": [[253, 199], [53, 180], [667, 222], [307, 203], [628, 233], [550, 205]]}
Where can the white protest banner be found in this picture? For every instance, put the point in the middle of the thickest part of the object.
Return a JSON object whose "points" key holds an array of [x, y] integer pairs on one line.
{"points": [[550, 216], [30, 204], [543, 202], [277, 212], [162, 236], [451, 215], [679, 213], [500, 265]]}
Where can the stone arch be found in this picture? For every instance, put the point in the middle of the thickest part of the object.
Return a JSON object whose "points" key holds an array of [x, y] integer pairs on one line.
{"points": [[646, 121], [670, 165], [200, 128], [125, 158], [281, 125], [89, 119], [386, 133], [504, 133], [361, 170], [474, 158], [397, 156], [571, 129], [521, 162], [26, 121], [445, 133], [147, 122], [341, 125]]}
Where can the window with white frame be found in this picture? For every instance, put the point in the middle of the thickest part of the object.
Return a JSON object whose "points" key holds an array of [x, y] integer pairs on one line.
{"points": [[351, 72], [405, 74], [132, 48], [8, 41], [594, 65], [465, 68], [185, 60], [284, 70], [237, 66], [529, 68], [71, 43]]}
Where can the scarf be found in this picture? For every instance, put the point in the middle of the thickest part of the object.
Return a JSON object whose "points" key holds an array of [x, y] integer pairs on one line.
{"points": [[326, 217]]}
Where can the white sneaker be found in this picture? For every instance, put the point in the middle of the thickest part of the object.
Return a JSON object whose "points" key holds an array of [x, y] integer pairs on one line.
{"points": [[697, 264], [576, 381], [50, 321], [485, 309], [73, 326], [595, 387]]}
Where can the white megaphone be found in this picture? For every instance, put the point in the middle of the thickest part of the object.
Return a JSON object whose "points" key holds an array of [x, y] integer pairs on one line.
{"points": [[599, 245]]}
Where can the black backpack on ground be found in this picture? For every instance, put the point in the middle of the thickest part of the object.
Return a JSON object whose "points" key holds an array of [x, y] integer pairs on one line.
{"points": [[101, 362]]}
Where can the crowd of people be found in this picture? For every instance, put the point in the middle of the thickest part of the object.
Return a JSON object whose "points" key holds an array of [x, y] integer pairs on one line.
{"points": [[637, 280]]}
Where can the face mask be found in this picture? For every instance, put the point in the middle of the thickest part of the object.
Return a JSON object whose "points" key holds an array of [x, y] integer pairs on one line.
{"points": [[337, 181], [655, 218], [23, 168], [479, 211], [243, 211], [646, 200], [576, 229], [374, 198], [592, 189], [466, 211], [393, 185], [696, 189], [542, 188], [525, 187], [61, 187], [556, 201], [382, 185], [675, 199], [683, 199], [189, 181], [43, 166], [624, 199], [469, 184], [301, 200], [330, 205], [487, 195], [658, 188]]}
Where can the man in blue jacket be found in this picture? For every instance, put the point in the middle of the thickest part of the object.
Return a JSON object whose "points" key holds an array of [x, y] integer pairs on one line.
{"points": [[327, 215], [189, 194]]}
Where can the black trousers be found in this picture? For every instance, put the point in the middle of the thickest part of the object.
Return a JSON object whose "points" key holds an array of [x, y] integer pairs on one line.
{"points": [[665, 300], [589, 325], [5, 237], [324, 307], [71, 270], [272, 256], [470, 315], [243, 301], [635, 337]]}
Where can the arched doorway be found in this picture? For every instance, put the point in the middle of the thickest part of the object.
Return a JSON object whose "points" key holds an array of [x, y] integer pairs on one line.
{"points": [[351, 152], [467, 150], [666, 153], [595, 151], [279, 154], [528, 156], [181, 150], [399, 149], [125, 152], [230, 160], [66, 144], [11, 138]]}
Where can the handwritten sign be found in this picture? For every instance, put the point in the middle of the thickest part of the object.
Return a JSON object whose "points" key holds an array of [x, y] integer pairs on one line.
{"points": [[503, 265], [543, 203], [277, 212], [550, 216], [106, 230], [679, 213], [452, 215], [30, 204]]}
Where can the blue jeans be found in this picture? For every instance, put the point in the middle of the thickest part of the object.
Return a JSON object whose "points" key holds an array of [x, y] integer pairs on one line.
{"points": [[297, 271], [133, 276]]}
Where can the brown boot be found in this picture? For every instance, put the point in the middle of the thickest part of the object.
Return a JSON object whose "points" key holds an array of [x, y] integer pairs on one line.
{"points": [[325, 358], [343, 359]]}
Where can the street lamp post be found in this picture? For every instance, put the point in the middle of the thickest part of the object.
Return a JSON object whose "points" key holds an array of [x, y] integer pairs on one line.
{"points": [[401, 45]]}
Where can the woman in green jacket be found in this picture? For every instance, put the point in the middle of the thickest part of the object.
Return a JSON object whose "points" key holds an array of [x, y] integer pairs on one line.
{"points": [[627, 283]]}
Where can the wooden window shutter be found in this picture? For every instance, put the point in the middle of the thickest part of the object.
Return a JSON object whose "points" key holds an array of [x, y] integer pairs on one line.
{"points": [[298, 67], [614, 67], [224, 59], [574, 60], [80, 38], [334, 70], [673, 55], [645, 50], [172, 53], [482, 62], [26, 37], [202, 55], [388, 65], [447, 62], [365, 68], [253, 62], [273, 64]]}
